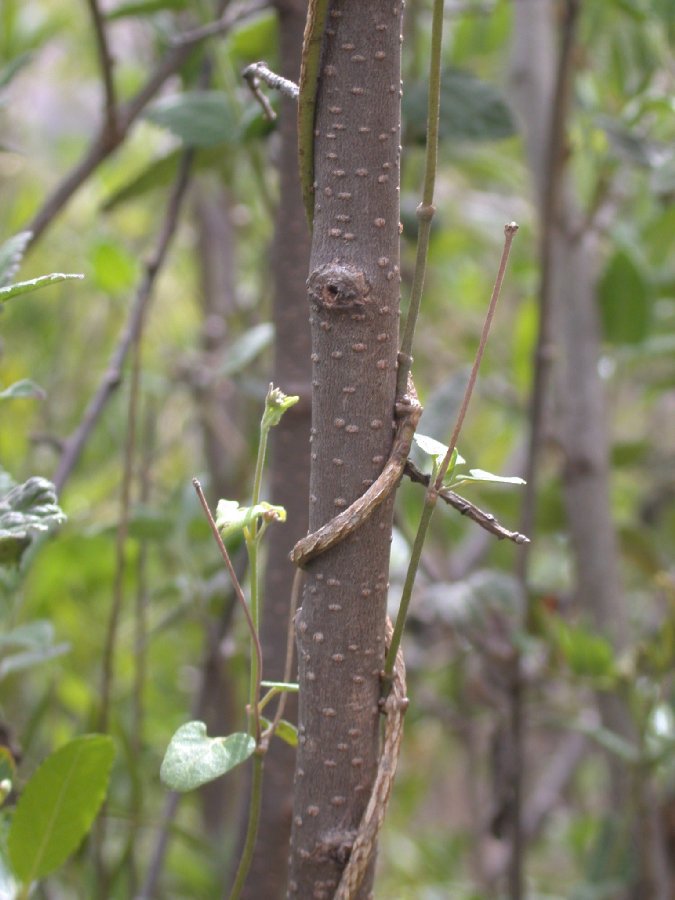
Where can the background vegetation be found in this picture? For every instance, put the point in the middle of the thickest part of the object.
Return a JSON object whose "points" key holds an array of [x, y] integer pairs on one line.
{"points": [[202, 377]]}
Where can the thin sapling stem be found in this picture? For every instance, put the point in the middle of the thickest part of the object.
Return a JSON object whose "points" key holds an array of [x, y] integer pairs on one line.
{"points": [[239, 593], [436, 481]]}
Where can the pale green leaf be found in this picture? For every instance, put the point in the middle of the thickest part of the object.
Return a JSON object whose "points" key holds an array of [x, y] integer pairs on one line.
{"points": [[287, 732], [245, 349], [192, 758], [436, 450], [230, 517], [28, 659], [284, 730], [26, 287], [480, 475], [58, 805], [23, 389], [24, 510], [11, 254]]}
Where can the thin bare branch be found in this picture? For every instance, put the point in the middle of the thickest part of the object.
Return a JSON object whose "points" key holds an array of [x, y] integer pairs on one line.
{"points": [[105, 142], [221, 25], [256, 72], [106, 63], [113, 375]]}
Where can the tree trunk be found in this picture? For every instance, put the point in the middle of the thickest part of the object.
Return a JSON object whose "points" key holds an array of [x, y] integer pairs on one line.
{"points": [[289, 462], [354, 308]]}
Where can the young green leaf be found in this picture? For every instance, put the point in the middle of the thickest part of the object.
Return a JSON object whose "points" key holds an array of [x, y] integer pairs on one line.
{"points": [[25, 287], [58, 806], [284, 730], [436, 450], [22, 389], [192, 758], [230, 517], [481, 476], [276, 404], [287, 732]]}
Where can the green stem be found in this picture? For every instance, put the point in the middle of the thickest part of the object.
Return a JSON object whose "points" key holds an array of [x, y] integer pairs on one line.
{"points": [[430, 499], [259, 465], [439, 473], [426, 209], [252, 830], [256, 662], [509, 234]]}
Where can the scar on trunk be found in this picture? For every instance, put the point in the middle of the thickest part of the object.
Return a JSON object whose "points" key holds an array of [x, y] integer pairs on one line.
{"points": [[337, 287]]}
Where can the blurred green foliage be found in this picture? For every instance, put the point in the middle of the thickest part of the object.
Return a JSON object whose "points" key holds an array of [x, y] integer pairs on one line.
{"points": [[621, 145]]}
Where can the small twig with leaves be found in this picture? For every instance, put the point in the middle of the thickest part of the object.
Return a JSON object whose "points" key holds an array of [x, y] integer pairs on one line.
{"points": [[485, 519]]}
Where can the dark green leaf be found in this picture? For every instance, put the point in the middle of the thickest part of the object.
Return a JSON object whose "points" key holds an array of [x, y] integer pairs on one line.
{"points": [[23, 388], [159, 174], [471, 110], [624, 296], [193, 758], [198, 118], [58, 806]]}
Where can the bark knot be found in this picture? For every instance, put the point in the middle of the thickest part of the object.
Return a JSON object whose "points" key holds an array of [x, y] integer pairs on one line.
{"points": [[338, 287]]}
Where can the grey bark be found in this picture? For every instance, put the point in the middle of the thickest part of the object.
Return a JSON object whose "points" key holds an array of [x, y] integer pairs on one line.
{"points": [[289, 461], [354, 307]]}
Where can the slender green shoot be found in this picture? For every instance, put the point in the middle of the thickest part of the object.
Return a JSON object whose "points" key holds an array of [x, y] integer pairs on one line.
{"points": [[440, 471], [253, 822], [426, 209]]}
